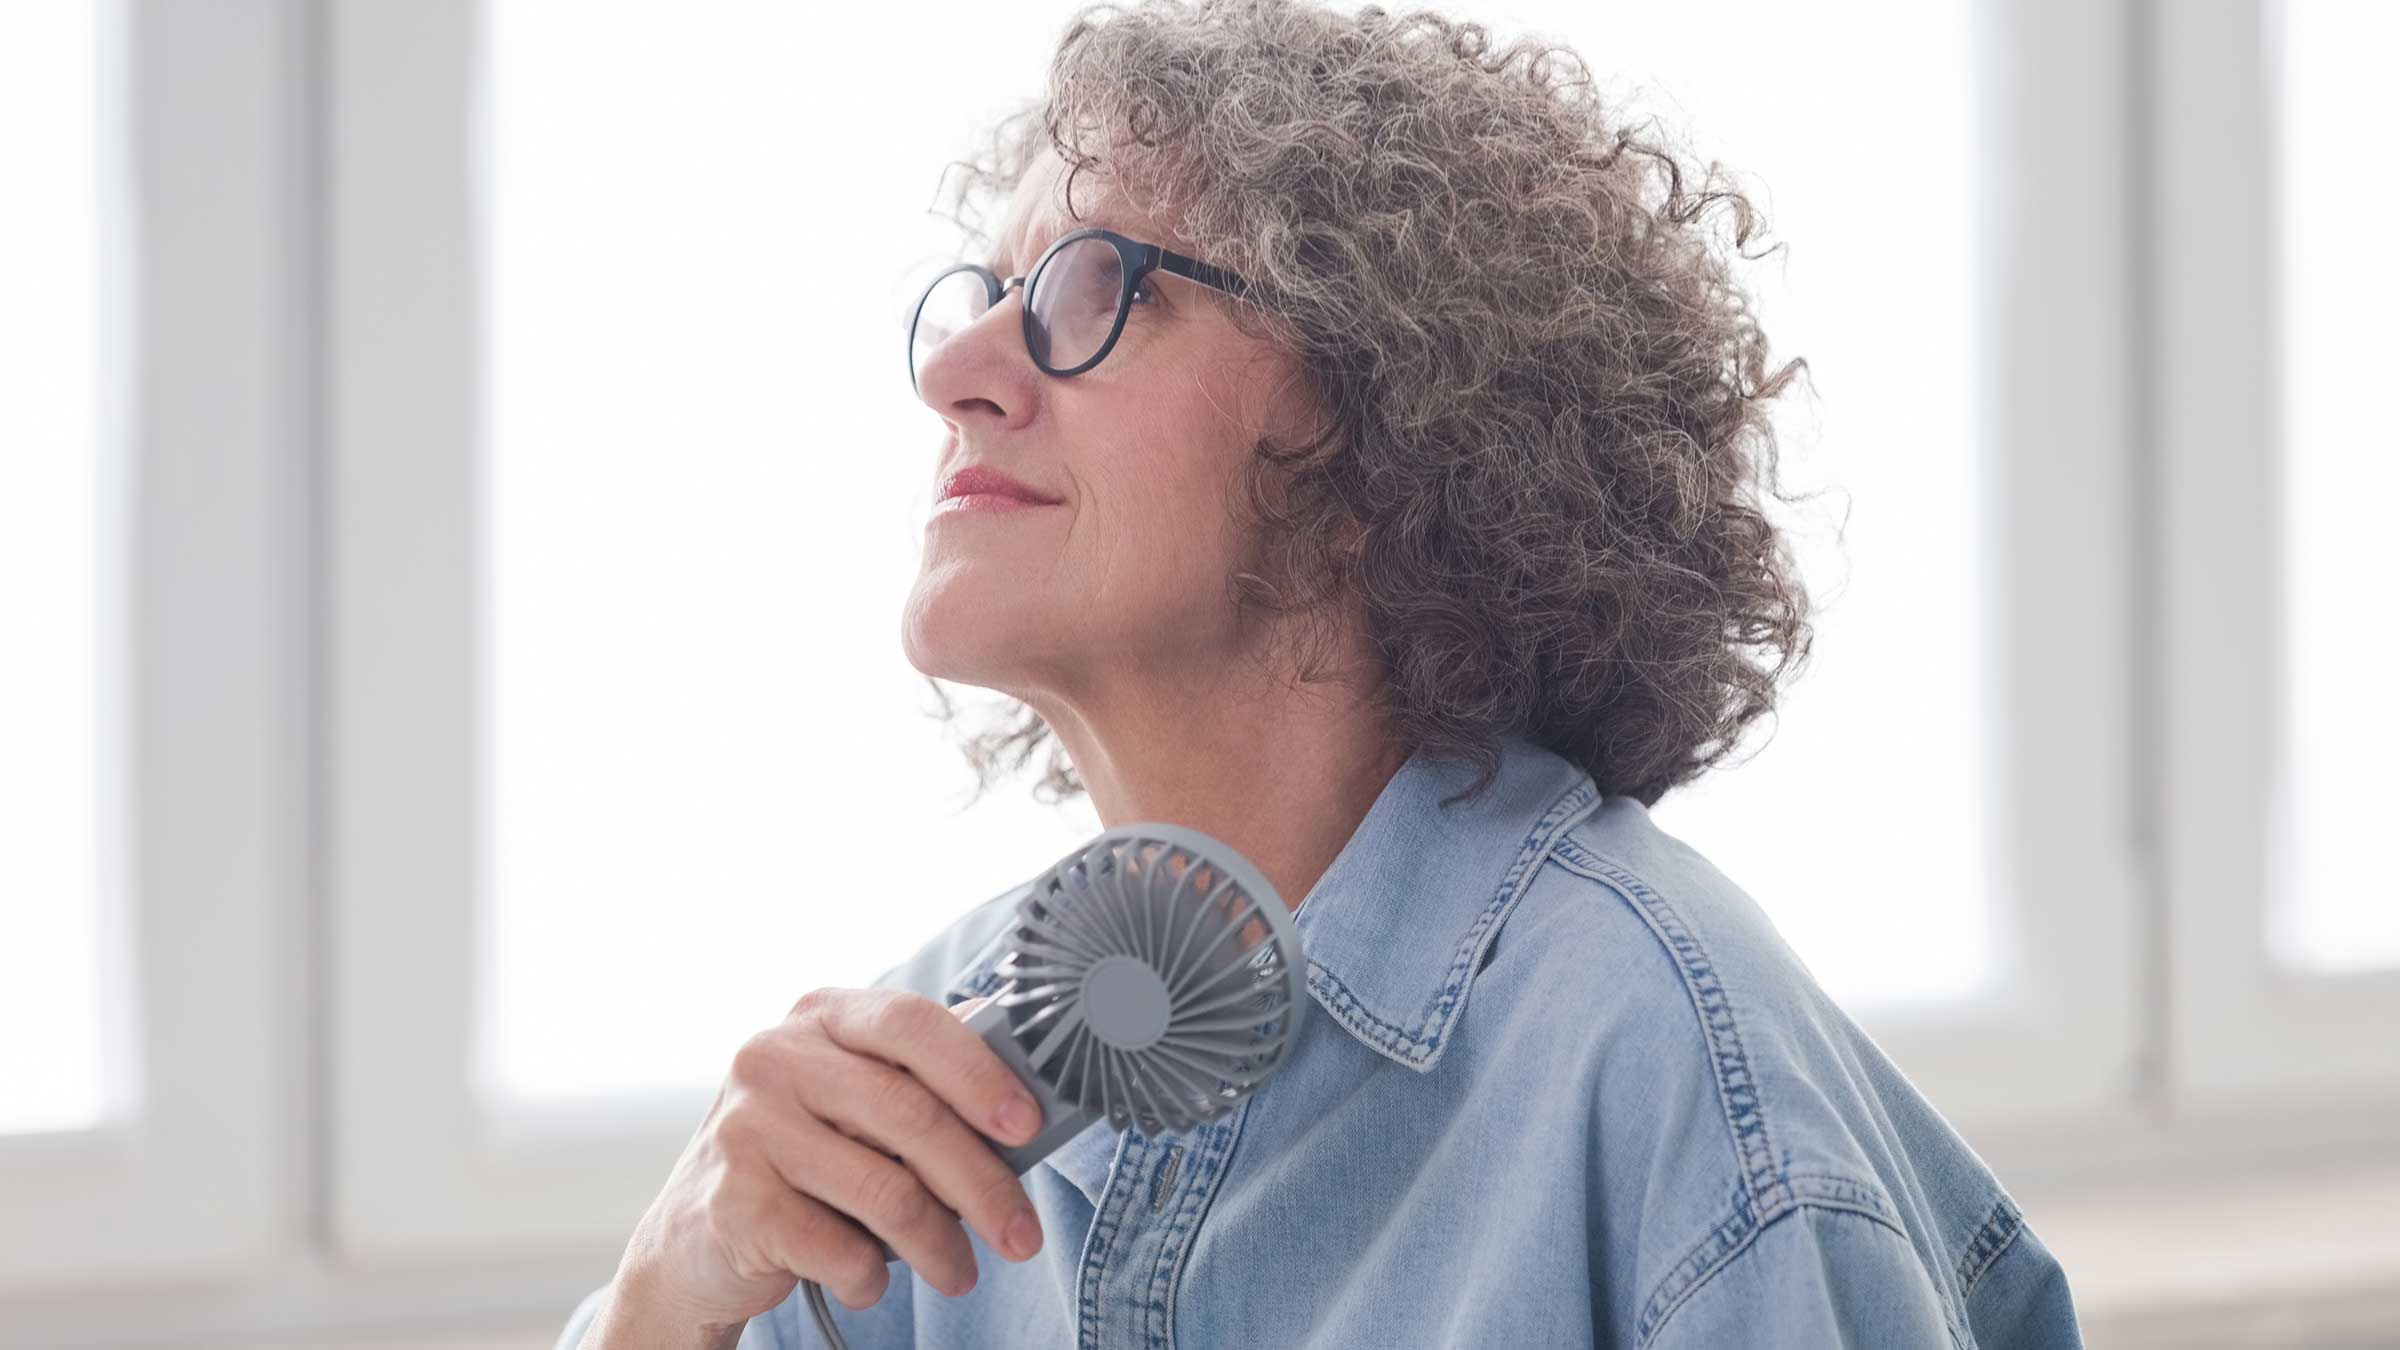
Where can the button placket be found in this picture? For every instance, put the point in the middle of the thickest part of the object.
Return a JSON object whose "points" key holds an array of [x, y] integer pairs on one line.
{"points": [[1102, 1305], [1182, 1204], [1143, 1233]]}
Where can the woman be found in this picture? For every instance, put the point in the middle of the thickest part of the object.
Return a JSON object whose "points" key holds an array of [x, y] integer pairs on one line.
{"points": [[1378, 495]]}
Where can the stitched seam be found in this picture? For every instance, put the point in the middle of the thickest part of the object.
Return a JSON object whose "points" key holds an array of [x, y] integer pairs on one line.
{"points": [[1836, 1190], [1200, 1191], [1992, 1237], [1155, 1310], [1828, 1189], [1737, 1087], [1107, 1222], [1577, 801], [1414, 1048], [1736, 1234], [1345, 1007]]}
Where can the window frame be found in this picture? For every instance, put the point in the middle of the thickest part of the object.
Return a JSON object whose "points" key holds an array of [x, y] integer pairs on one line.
{"points": [[2238, 1016], [425, 1170], [198, 759], [303, 860], [2061, 1047]]}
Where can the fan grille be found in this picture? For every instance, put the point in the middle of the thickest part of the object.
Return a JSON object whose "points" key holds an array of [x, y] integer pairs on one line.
{"points": [[1145, 985]]}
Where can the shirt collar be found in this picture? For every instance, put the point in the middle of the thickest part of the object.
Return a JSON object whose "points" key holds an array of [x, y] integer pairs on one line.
{"points": [[1396, 928]]}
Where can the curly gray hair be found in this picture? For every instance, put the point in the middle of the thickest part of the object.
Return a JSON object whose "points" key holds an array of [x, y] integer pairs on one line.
{"points": [[1546, 397]]}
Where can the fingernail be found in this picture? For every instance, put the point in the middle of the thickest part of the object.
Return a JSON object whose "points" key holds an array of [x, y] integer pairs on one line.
{"points": [[1018, 1118], [1024, 1236]]}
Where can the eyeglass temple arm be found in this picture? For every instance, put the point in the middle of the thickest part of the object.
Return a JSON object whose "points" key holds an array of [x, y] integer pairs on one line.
{"points": [[1206, 275]]}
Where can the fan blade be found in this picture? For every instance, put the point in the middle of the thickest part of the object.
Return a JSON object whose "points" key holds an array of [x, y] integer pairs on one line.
{"points": [[1202, 1007], [1182, 966], [1070, 1017]]}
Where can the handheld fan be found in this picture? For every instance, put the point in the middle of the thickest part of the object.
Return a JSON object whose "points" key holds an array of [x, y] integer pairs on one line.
{"points": [[1152, 979]]}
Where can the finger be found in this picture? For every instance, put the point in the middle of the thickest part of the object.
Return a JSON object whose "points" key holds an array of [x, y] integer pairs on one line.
{"points": [[816, 1241], [887, 1112], [917, 1034], [883, 1196]]}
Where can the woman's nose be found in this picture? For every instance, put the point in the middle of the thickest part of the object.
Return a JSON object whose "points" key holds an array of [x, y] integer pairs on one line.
{"points": [[984, 362]]}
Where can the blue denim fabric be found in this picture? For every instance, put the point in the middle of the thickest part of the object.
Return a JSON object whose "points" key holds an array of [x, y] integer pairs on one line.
{"points": [[1564, 1085]]}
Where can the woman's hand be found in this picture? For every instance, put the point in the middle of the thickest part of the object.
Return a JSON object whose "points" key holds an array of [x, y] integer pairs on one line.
{"points": [[853, 1118]]}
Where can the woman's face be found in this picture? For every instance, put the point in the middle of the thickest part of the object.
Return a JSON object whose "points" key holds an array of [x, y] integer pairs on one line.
{"points": [[1111, 604]]}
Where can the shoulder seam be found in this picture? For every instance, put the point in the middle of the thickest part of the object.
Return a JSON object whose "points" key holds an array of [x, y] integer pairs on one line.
{"points": [[1737, 1089], [1739, 1233], [1767, 1190]]}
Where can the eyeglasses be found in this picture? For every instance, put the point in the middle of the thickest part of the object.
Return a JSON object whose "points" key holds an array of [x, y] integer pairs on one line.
{"points": [[1076, 298]]}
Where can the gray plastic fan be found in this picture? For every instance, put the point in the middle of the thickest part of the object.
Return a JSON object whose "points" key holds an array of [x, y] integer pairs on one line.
{"points": [[1153, 979]]}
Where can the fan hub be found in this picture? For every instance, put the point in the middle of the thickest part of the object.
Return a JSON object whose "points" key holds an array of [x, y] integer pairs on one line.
{"points": [[1125, 1003]]}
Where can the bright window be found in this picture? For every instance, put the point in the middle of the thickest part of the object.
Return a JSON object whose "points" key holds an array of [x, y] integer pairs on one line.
{"points": [[2335, 905], [50, 573]]}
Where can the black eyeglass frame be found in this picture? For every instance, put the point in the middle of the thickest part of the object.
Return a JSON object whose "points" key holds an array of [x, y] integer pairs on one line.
{"points": [[1135, 261]]}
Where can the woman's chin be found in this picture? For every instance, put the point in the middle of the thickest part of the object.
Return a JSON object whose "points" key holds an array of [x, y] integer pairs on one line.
{"points": [[964, 638]]}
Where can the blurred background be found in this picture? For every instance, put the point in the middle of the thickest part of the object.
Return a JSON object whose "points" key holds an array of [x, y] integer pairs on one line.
{"points": [[459, 479]]}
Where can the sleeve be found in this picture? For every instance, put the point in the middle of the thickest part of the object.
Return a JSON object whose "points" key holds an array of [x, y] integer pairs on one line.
{"points": [[2021, 1301], [1813, 1277]]}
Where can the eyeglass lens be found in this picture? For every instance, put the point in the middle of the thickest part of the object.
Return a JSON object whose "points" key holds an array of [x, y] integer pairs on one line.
{"points": [[1073, 304]]}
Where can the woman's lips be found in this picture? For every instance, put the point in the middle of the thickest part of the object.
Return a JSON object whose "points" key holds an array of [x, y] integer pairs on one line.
{"points": [[984, 503], [979, 479]]}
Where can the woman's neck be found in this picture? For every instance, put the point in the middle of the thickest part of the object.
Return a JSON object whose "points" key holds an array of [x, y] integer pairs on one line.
{"points": [[1282, 781]]}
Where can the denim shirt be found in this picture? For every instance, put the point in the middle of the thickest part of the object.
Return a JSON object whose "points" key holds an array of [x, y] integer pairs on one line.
{"points": [[1563, 1085]]}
